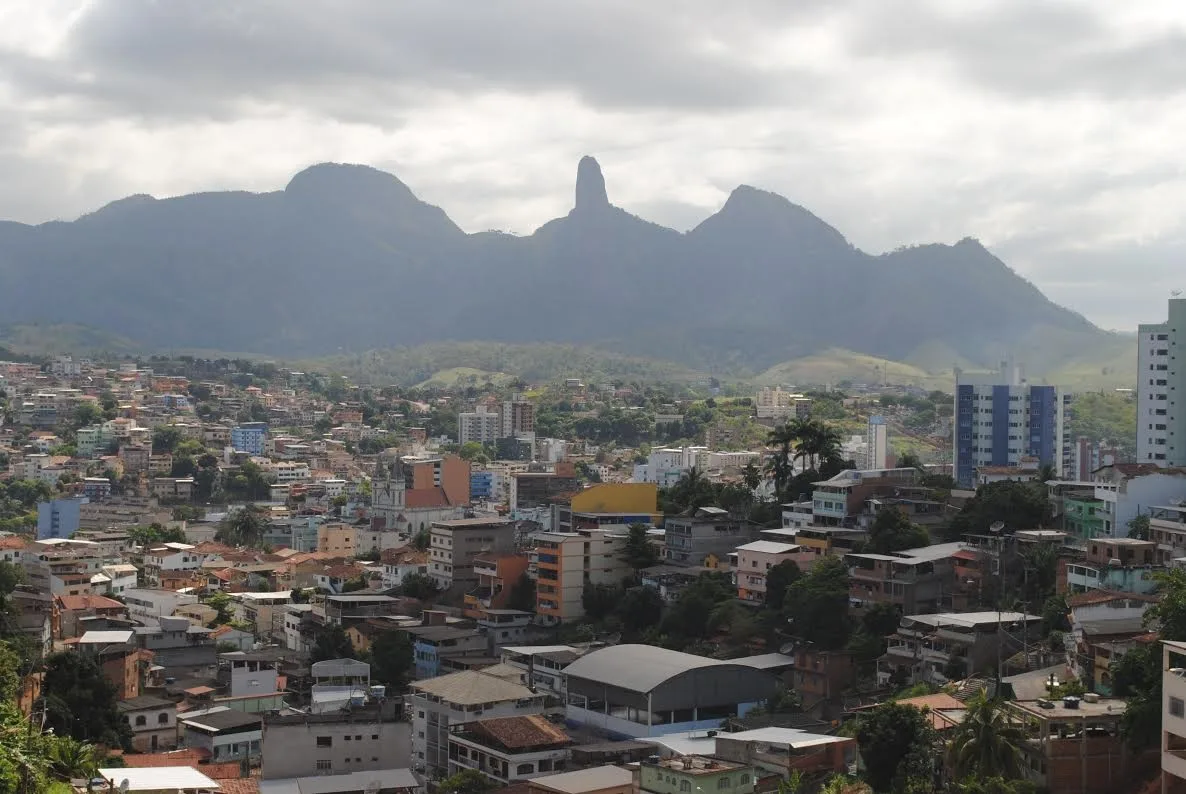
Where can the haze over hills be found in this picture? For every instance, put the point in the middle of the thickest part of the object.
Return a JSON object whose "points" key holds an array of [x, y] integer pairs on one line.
{"points": [[346, 257]]}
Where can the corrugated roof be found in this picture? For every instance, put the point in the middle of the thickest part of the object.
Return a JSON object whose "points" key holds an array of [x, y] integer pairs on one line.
{"points": [[471, 687], [640, 668], [161, 778], [595, 779], [769, 547]]}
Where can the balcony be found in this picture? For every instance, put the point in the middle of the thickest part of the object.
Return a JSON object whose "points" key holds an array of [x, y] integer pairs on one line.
{"points": [[486, 568]]}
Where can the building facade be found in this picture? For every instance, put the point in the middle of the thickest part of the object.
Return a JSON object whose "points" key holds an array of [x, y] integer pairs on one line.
{"points": [[1001, 420], [1161, 424]]}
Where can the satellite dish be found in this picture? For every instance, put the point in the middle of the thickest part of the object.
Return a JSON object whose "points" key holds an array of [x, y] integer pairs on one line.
{"points": [[1176, 501], [124, 785], [1175, 293], [788, 649], [996, 526], [372, 787]]}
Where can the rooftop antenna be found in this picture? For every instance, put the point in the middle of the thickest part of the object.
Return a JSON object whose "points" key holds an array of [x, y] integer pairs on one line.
{"points": [[1174, 293]]}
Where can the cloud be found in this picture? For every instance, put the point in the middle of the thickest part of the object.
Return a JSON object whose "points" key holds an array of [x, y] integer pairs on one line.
{"points": [[1050, 130]]}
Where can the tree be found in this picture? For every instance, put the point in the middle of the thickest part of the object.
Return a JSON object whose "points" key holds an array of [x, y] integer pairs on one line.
{"points": [[985, 743], [87, 414], [640, 608], [80, 701], [638, 551], [522, 594], [222, 604], [154, 534], [467, 781], [1170, 612], [165, 438], [244, 527], [72, 759], [909, 460], [1136, 676], [1019, 505], [1138, 527], [419, 586], [817, 605], [881, 619], [688, 617], [331, 642], [896, 745], [893, 531], [690, 492], [751, 476], [778, 579], [599, 600], [392, 660]]}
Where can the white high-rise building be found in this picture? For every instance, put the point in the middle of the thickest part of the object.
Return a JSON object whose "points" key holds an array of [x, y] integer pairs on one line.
{"points": [[480, 426], [1000, 419], [877, 444], [1161, 382]]}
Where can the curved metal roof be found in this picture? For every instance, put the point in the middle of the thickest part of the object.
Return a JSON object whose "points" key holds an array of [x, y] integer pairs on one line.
{"points": [[639, 668]]}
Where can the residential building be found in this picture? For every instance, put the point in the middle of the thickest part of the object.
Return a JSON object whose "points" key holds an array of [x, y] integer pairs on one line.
{"points": [[363, 739], [497, 576], [614, 505], [1073, 745], [172, 489], [454, 545], [598, 780], [820, 675], [1173, 717], [1104, 626], [643, 690], [250, 437], [1161, 425], [433, 643], [823, 541], [297, 619], [180, 647], [916, 580], [440, 705], [263, 612], [509, 749], [148, 605], [59, 518], [696, 774], [542, 666], [842, 500], [786, 751], [755, 560], [120, 577], [1001, 419], [689, 540], [227, 735], [96, 488], [170, 558], [482, 485], [1130, 489], [400, 563], [938, 648], [530, 490], [153, 721], [877, 449], [566, 561], [73, 608], [480, 426], [344, 609], [1167, 528], [1123, 565], [518, 418]]}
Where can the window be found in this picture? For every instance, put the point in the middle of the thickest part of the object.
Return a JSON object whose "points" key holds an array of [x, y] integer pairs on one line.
{"points": [[162, 719], [1177, 707], [685, 785], [325, 741], [524, 769], [744, 780], [347, 737], [141, 721], [724, 783], [324, 766]]}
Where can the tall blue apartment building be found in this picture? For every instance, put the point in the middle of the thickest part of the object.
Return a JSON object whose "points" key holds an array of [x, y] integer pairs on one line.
{"points": [[1001, 419], [59, 518], [249, 437], [481, 484]]}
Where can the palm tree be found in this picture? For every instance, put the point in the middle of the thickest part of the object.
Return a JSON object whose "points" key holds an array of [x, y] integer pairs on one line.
{"points": [[788, 439], [986, 744], [1047, 472], [819, 443], [74, 759]]}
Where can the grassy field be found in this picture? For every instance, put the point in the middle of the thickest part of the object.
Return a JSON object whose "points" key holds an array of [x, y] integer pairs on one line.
{"points": [[456, 377]]}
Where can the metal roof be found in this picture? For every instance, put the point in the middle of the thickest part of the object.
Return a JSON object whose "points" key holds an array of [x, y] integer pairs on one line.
{"points": [[159, 778], [106, 637], [339, 668], [348, 781], [640, 668], [595, 779], [766, 661], [769, 547]]}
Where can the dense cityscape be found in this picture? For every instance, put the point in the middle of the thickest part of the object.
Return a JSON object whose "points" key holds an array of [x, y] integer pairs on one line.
{"points": [[250, 577]]}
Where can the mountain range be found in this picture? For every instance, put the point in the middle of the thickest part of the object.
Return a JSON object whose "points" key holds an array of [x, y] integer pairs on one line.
{"points": [[346, 257]]}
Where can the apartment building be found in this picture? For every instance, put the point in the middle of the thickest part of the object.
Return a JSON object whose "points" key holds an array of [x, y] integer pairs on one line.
{"points": [[755, 560], [148, 605], [59, 518], [509, 749], [567, 561], [690, 540], [518, 418], [1173, 717], [455, 545], [1001, 419], [363, 739], [938, 648], [441, 705], [170, 558], [916, 580], [480, 426], [1124, 565], [250, 437], [1161, 424], [841, 500], [497, 576]]}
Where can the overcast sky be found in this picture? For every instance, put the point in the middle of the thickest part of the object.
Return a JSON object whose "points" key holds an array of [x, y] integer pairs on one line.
{"points": [[1052, 131]]}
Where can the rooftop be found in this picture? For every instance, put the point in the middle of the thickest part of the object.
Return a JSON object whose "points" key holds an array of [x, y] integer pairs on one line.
{"points": [[769, 547], [1104, 708], [520, 732], [595, 779], [969, 619], [640, 668], [144, 702], [226, 720], [471, 687], [157, 779], [348, 781]]}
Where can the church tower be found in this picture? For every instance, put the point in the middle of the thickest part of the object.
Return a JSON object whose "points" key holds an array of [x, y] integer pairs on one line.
{"points": [[387, 494]]}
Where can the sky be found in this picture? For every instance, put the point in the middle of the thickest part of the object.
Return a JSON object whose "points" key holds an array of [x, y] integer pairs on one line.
{"points": [[1051, 131]]}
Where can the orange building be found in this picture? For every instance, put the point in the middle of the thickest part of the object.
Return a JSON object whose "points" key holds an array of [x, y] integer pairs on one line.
{"points": [[497, 576]]}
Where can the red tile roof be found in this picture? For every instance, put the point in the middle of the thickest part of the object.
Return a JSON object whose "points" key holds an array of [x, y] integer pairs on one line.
{"points": [[73, 602], [1104, 596], [521, 732], [425, 497], [189, 757]]}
